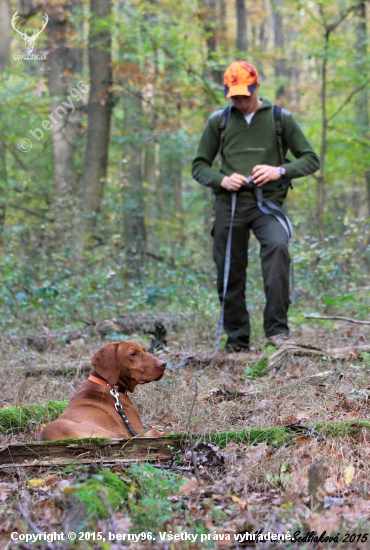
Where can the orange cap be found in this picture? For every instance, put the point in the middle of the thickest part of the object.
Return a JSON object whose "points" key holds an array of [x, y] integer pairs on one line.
{"points": [[240, 78]]}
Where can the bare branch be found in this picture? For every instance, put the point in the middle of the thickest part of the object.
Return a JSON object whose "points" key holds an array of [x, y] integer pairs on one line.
{"points": [[348, 99]]}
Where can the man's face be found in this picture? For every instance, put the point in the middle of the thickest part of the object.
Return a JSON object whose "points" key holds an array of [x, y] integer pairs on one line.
{"points": [[246, 104]]}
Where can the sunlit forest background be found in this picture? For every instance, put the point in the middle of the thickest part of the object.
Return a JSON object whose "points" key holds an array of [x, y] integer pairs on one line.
{"points": [[99, 215]]}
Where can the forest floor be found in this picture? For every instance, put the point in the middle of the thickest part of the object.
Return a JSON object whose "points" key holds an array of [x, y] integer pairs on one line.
{"points": [[255, 488]]}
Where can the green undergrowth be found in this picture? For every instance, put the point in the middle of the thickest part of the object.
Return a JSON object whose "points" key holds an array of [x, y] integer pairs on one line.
{"points": [[258, 369], [141, 492], [20, 419], [101, 492]]}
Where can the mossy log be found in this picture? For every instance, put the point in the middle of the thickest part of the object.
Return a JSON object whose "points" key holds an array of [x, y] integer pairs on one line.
{"points": [[108, 451], [88, 451]]}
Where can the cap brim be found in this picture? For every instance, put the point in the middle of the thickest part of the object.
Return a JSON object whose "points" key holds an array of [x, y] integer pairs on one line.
{"points": [[241, 90]]}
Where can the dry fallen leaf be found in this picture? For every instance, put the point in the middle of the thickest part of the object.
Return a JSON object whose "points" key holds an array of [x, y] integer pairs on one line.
{"points": [[36, 482], [123, 524], [349, 474], [358, 510], [188, 486], [242, 503], [51, 479], [329, 522], [257, 452], [4, 492]]}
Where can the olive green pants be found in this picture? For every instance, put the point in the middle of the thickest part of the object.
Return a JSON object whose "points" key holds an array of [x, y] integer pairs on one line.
{"points": [[275, 264]]}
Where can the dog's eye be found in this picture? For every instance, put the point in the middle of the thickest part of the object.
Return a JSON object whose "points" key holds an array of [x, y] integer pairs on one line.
{"points": [[133, 353]]}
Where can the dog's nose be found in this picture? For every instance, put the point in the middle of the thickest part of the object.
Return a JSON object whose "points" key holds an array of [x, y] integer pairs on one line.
{"points": [[162, 364]]}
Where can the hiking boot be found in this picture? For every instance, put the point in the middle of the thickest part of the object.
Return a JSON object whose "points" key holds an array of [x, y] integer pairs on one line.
{"points": [[279, 340], [235, 348]]}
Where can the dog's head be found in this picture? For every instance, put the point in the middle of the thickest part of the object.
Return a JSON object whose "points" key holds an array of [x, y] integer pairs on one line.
{"points": [[127, 363]]}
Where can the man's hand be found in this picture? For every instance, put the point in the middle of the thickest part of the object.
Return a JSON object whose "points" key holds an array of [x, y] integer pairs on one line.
{"points": [[263, 173], [234, 182]]}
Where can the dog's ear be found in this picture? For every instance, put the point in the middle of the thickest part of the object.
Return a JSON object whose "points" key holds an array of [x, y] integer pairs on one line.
{"points": [[105, 362]]}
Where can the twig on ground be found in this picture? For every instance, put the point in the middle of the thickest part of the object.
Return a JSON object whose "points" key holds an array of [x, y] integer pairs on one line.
{"points": [[337, 318], [191, 445], [34, 527]]}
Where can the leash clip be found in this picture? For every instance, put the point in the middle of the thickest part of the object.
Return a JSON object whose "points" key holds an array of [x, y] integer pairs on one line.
{"points": [[115, 394]]}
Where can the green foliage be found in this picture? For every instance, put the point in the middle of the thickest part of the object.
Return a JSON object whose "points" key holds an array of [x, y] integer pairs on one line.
{"points": [[258, 369], [102, 493], [153, 486], [19, 419]]}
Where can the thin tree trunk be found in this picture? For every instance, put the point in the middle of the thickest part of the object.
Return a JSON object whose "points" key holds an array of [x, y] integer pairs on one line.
{"points": [[4, 34], [134, 205], [62, 129], [210, 26], [223, 27], [99, 116], [241, 21], [362, 100], [4, 186], [279, 44], [324, 128]]}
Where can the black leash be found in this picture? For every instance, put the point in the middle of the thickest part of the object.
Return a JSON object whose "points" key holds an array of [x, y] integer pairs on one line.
{"points": [[121, 412], [271, 209], [226, 275]]}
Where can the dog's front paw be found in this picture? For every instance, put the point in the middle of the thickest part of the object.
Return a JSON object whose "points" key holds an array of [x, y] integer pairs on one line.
{"points": [[154, 433]]}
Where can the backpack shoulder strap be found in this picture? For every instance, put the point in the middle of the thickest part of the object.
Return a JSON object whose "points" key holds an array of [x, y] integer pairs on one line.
{"points": [[222, 123], [277, 118]]}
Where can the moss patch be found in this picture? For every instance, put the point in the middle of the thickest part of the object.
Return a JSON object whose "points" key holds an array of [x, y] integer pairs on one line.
{"points": [[278, 435], [102, 491], [347, 427], [15, 419], [272, 436]]}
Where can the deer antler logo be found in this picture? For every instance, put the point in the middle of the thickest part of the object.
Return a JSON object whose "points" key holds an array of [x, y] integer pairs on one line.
{"points": [[29, 40]]}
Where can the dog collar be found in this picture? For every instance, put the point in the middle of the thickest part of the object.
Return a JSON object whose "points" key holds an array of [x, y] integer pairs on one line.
{"points": [[105, 384]]}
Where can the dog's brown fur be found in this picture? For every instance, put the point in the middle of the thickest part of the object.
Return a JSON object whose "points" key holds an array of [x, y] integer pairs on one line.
{"points": [[91, 412]]}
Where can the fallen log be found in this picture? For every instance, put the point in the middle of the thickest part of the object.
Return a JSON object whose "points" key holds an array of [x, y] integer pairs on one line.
{"points": [[124, 325], [86, 451], [52, 368]]}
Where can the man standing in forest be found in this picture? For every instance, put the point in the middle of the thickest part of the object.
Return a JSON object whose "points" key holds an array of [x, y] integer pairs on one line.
{"points": [[248, 145]]}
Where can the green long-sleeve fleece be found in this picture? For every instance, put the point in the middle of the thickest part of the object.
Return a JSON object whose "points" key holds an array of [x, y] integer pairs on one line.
{"points": [[245, 145]]}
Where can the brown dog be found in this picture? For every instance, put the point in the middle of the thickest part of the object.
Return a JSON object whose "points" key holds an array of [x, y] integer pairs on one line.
{"points": [[91, 411]]}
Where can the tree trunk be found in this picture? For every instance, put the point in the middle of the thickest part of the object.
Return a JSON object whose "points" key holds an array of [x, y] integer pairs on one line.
{"points": [[4, 186], [4, 34], [362, 103], [280, 65], [99, 115], [223, 27], [134, 206], [210, 26], [241, 21], [324, 128], [62, 130]]}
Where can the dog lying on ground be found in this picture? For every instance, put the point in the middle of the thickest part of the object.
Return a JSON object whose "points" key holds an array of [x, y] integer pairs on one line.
{"points": [[92, 410]]}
